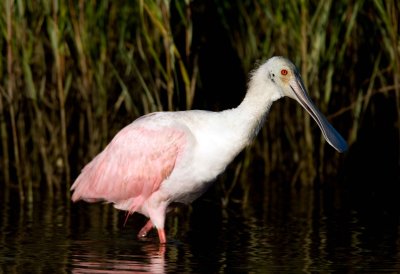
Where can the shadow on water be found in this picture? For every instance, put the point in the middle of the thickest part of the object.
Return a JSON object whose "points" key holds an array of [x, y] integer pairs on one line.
{"points": [[304, 230]]}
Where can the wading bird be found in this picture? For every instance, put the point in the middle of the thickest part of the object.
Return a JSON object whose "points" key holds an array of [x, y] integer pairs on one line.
{"points": [[167, 157]]}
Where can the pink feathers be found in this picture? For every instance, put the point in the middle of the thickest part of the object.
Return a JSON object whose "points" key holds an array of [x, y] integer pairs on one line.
{"points": [[131, 168]]}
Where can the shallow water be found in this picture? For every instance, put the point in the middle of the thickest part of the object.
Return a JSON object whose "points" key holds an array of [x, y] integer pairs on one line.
{"points": [[288, 231]]}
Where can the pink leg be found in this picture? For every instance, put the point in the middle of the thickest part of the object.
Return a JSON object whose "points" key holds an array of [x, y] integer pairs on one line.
{"points": [[161, 235], [145, 229], [156, 211]]}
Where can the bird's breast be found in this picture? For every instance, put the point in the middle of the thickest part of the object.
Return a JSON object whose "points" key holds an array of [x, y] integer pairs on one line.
{"points": [[199, 165]]}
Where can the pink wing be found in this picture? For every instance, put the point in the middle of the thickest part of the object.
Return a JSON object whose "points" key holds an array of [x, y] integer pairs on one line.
{"points": [[131, 167]]}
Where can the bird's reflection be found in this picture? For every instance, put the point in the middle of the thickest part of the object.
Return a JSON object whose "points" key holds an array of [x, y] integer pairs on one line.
{"points": [[150, 258]]}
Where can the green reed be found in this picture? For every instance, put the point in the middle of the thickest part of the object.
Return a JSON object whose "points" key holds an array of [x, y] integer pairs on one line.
{"points": [[324, 40], [72, 73]]}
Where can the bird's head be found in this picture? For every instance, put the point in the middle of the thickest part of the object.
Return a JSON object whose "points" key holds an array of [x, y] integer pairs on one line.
{"points": [[284, 76]]}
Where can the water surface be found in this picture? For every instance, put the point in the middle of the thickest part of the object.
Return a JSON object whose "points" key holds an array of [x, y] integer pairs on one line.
{"points": [[287, 231]]}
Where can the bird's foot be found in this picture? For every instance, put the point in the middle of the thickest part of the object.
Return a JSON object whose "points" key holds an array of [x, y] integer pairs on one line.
{"points": [[145, 229]]}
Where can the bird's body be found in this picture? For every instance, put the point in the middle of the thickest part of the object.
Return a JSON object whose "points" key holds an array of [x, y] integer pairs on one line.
{"points": [[167, 157]]}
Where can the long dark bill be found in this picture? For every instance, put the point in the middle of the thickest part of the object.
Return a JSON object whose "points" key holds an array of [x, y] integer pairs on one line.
{"points": [[331, 135]]}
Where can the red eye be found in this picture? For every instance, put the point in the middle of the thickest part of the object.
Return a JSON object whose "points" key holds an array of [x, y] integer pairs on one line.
{"points": [[284, 72]]}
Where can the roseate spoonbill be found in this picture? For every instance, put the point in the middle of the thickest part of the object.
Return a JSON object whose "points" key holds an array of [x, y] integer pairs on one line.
{"points": [[166, 157]]}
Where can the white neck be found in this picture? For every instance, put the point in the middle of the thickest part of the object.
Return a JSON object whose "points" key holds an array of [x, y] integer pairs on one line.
{"points": [[250, 115]]}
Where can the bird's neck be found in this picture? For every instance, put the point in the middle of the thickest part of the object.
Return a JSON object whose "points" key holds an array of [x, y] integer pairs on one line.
{"points": [[253, 110]]}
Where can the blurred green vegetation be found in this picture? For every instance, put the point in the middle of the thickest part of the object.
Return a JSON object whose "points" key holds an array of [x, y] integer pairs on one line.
{"points": [[72, 73]]}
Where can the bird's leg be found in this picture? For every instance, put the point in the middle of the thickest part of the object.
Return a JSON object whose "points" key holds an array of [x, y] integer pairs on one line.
{"points": [[161, 235], [145, 229], [156, 209]]}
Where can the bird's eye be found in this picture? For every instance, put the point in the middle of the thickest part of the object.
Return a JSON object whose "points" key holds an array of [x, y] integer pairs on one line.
{"points": [[284, 72]]}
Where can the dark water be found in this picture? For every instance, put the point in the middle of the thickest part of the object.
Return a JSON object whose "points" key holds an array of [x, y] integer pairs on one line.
{"points": [[289, 231]]}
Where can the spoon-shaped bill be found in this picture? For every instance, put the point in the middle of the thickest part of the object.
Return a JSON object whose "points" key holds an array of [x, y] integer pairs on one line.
{"points": [[331, 135]]}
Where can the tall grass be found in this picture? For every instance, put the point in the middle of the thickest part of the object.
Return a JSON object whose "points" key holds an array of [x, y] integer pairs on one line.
{"points": [[72, 73], [327, 40]]}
